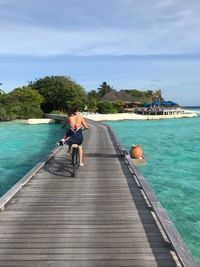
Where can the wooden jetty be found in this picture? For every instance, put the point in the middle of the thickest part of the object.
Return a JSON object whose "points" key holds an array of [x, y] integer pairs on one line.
{"points": [[106, 216]]}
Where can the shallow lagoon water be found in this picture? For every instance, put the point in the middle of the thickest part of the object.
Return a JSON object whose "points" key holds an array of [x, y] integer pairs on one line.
{"points": [[172, 151], [171, 148], [22, 147]]}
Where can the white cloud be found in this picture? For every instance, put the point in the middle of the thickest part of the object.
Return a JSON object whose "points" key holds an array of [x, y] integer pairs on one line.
{"points": [[120, 27]]}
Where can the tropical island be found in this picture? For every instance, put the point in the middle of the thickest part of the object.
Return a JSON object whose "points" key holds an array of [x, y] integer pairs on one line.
{"points": [[56, 94]]}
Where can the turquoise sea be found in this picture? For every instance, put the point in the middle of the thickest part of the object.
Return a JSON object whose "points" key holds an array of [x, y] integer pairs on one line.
{"points": [[22, 147], [170, 147], [172, 151]]}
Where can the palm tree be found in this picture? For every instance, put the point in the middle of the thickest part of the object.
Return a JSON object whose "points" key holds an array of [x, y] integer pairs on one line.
{"points": [[104, 89], [150, 93], [158, 95]]}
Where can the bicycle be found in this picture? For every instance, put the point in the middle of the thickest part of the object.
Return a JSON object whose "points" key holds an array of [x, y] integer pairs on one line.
{"points": [[75, 161], [75, 157]]}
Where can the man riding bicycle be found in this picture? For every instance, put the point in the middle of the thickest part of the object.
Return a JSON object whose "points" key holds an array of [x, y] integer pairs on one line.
{"points": [[74, 134]]}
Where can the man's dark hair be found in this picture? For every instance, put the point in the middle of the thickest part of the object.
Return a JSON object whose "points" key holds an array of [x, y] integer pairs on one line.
{"points": [[73, 109]]}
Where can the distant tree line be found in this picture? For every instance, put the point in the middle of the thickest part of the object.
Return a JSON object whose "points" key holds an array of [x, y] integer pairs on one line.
{"points": [[20, 103], [146, 96], [44, 95], [56, 94]]}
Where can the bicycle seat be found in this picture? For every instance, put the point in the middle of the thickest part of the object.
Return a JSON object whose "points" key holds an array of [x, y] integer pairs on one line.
{"points": [[74, 145]]}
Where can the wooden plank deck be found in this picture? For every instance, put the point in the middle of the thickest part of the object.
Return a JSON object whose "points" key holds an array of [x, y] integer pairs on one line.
{"points": [[99, 218]]}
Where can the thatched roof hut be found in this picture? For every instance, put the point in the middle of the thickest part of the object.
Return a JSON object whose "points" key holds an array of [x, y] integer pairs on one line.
{"points": [[114, 96], [110, 96], [125, 97]]}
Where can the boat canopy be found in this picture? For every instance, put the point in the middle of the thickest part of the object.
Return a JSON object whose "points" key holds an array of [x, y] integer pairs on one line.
{"points": [[162, 103]]}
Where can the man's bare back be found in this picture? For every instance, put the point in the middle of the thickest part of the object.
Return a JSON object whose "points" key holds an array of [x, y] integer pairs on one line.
{"points": [[76, 121]]}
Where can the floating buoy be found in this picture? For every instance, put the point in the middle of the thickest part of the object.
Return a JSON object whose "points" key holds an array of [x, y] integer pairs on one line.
{"points": [[136, 152]]}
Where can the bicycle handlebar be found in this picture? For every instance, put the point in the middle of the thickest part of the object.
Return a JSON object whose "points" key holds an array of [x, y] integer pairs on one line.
{"points": [[83, 129], [62, 141]]}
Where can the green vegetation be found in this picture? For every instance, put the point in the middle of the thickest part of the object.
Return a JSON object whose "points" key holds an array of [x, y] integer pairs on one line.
{"points": [[56, 94], [51, 93], [59, 93], [108, 107], [92, 101], [103, 89], [146, 96], [21, 103]]}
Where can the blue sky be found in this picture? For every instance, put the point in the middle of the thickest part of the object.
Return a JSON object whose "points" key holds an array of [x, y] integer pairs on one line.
{"points": [[146, 44]]}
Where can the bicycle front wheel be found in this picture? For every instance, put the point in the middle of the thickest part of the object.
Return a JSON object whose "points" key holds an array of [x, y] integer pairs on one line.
{"points": [[74, 157]]}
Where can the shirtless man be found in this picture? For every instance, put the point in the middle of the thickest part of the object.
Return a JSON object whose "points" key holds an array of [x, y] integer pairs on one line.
{"points": [[74, 135]]}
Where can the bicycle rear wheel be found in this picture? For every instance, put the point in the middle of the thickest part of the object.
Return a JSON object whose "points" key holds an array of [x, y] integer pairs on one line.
{"points": [[75, 161]]}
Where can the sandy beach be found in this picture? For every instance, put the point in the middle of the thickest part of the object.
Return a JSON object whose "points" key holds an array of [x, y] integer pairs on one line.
{"points": [[40, 121], [134, 116]]}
